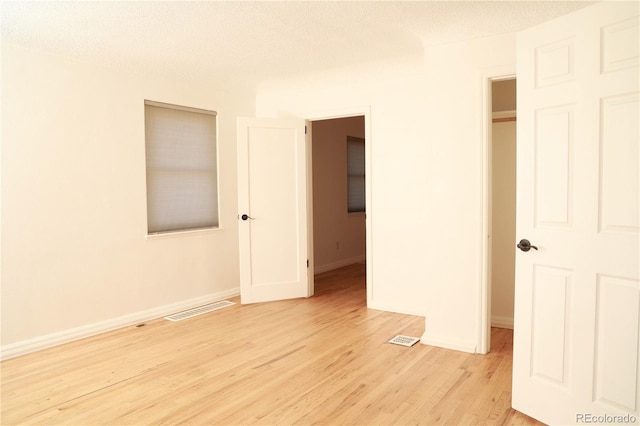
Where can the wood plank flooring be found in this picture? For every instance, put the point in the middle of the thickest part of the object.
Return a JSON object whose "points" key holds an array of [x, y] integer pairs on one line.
{"points": [[323, 360]]}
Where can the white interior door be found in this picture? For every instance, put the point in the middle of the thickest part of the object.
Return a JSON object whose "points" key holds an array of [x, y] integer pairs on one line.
{"points": [[577, 302], [272, 209]]}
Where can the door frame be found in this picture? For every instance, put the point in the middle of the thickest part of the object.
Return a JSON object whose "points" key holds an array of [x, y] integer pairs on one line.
{"points": [[489, 76], [330, 114]]}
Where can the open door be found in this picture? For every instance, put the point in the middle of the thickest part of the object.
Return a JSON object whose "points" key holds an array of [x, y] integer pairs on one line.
{"points": [[577, 301], [272, 209]]}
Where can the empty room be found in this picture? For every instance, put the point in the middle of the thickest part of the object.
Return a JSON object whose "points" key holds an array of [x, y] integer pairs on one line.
{"points": [[230, 212]]}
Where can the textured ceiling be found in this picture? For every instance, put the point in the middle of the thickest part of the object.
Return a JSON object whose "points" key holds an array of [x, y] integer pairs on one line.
{"points": [[253, 41]]}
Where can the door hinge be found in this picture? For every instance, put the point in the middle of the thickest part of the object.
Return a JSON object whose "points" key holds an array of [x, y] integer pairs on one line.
{"points": [[307, 263], [305, 130]]}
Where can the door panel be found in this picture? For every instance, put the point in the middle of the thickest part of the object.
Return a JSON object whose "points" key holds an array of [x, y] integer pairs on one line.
{"points": [[577, 301], [550, 321], [554, 63], [620, 45], [619, 179], [553, 166], [272, 193], [618, 314]]}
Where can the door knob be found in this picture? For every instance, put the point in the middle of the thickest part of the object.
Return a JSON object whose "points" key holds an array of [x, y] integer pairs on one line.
{"points": [[525, 245], [245, 217]]}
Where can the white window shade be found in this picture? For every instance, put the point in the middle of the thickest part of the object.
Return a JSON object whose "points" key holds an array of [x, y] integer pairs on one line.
{"points": [[182, 176], [355, 175]]}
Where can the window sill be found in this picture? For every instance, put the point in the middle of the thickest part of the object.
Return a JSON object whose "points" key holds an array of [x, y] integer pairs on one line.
{"points": [[175, 234]]}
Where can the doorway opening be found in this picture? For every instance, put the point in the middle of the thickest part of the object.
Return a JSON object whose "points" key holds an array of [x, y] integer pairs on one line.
{"points": [[338, 188], [501, 205]]}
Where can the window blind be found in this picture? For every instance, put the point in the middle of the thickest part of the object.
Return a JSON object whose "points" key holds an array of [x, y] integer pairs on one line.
{"points": [[182, 176], [355, 175]]}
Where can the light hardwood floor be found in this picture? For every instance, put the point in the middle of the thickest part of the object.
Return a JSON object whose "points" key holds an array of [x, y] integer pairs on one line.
{"points": [[323, 360]]}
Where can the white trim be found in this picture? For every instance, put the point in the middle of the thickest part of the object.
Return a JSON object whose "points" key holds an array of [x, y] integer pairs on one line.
{"points": [[501, 322], [24, 347], [311, 289], [447, 343], [483, 341], [339, 264], [182, 233], [179, 107]]}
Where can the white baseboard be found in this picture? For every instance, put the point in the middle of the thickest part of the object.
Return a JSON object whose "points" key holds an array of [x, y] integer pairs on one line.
{"points": [[447, 343], [501, 322], [24, 347], [339, 264]]}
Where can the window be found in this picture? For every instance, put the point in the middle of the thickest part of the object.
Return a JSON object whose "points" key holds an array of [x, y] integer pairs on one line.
{"points": [[355, 174], [182, 172]]}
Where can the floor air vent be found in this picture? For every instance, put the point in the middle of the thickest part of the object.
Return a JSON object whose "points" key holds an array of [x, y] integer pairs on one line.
{"points": [[199, 310], [404, 340]]}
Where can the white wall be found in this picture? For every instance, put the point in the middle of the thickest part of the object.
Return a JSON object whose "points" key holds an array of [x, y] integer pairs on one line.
{"points": [[426, 161], [457, 113], [75, 259], [393, 90], [338, 236]]}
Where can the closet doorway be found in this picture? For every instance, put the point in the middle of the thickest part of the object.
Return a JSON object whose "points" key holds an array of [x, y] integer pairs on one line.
{"points": [[502, 204]]}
